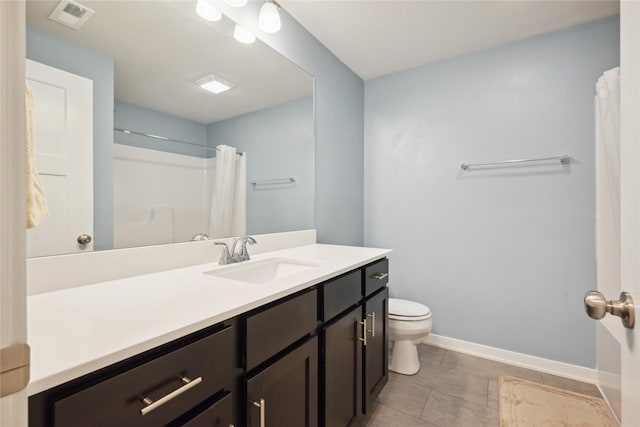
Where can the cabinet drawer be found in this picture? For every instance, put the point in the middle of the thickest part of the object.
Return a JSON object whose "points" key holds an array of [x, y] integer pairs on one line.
{"points": [[220, 414], [340, 294], [376, 276], [118, 401], [272, 330]]}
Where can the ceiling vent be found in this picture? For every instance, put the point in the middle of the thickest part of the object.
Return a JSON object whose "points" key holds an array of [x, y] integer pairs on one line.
{"points": [[71, 14]]}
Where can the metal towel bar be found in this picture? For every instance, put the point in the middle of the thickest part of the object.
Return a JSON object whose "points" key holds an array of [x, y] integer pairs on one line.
{"points": [[564, 159], [274, 181]]}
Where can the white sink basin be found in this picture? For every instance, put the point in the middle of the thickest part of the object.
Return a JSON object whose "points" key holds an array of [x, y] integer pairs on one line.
{"points": [[263, 270]]}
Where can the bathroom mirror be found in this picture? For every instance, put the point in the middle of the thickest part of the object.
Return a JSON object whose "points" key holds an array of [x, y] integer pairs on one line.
{"points": [[156, 174]]}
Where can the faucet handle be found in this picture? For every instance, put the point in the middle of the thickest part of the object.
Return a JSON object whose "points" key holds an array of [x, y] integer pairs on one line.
{"points": [[244, 253], [225, 257]]}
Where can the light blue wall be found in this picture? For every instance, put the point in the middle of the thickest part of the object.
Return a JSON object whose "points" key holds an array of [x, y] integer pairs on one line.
{"points": [[50, 50], [502, 257], [140, 119], [279, 143], [339, 115]]}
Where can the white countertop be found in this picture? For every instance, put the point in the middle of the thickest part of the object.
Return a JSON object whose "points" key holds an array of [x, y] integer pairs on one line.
{"points": [[75, 331]]}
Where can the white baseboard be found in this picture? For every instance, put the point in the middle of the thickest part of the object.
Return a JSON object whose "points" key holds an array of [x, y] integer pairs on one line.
{"points": [[566, 370]]}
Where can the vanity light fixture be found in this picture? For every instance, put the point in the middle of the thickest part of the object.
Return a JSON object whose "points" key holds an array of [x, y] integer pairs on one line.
{"points": [[243, 35], [236, 3], [269, 18], [214, 84], [206, 11]]}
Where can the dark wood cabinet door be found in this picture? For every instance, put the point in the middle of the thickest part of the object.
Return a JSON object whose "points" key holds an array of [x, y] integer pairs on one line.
{"points": [[343, 370], [288, 390], [376, 350], [220, 414]]}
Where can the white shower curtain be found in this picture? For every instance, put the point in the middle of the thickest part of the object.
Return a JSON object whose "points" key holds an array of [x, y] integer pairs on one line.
{"points": [[224, 187], [607, 107]]}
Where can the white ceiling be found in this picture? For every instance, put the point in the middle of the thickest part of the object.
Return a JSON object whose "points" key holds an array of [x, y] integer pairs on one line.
{"points": [[375, 38], [160, 48]]}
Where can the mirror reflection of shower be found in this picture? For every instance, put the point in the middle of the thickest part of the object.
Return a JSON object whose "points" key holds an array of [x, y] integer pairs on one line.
{"points": [[162, 197]]}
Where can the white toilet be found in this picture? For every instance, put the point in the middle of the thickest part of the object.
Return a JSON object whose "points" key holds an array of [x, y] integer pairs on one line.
{"points": [[409, 325]]}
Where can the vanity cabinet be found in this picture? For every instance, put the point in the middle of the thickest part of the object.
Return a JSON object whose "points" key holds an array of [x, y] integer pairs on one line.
{"points": [[157, 388], [376, 277], [314, 358], [219, 414], [376, 354], [342, 369], [376, 351], [272, 329], [355, 343], [285, 393], [282, 390]]}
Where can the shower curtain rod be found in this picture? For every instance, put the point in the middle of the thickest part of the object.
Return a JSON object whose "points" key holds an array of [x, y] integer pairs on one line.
{"points": [[564, 159], [162, 138]]}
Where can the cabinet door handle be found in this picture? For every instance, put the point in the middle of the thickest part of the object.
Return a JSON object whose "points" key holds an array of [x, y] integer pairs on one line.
{"points": [[373, 323], [364, 331], [379, 276], [263, 408], [151, 405]]}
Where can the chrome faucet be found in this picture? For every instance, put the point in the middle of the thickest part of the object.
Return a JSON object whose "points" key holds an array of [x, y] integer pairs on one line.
{"points": [[244, 254], [200, 236], [225, 256], [230, 256]]}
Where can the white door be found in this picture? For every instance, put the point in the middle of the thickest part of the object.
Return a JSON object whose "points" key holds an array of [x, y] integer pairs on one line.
{"points": [[618, 234], [13, 298], [63, 141]]}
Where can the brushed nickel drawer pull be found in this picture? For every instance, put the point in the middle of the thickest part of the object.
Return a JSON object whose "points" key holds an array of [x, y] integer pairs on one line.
{"points": [[151, 405], [364, 331], [263, 409], [373, 324], [379, 276]]}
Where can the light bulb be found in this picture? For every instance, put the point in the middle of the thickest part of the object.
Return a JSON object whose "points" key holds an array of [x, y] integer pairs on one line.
{"points": [[236, 3], [206, 11], [243, 35], [269, 18]]}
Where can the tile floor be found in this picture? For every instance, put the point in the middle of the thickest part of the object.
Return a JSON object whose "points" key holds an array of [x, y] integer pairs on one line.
{"points": [[452, 390]]}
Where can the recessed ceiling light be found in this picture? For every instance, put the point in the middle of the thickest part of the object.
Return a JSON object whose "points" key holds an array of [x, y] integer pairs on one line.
{"points": [[206, 11], [71, 14], [243, 35], [215, 84]]}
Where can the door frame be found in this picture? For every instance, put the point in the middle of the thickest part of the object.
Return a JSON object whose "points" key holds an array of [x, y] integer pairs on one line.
{"points": [[13, 296]]}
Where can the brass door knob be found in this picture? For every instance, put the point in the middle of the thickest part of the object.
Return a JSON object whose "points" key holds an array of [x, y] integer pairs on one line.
{"points": [[597, 306]]}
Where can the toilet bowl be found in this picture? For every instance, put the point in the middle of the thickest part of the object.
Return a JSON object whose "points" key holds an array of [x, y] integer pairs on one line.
{"points": [[409, 325]]}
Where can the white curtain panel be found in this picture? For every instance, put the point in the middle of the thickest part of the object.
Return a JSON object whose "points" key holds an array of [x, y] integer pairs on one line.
{"points": [[607, 107], [239, 221], [221, 218]]}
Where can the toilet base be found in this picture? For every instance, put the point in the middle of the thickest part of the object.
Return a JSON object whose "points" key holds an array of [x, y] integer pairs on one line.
{"points": [[404, 358]]}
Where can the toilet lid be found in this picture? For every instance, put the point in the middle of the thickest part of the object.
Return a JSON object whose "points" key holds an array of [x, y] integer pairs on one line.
{"points": [[408, 310]]}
